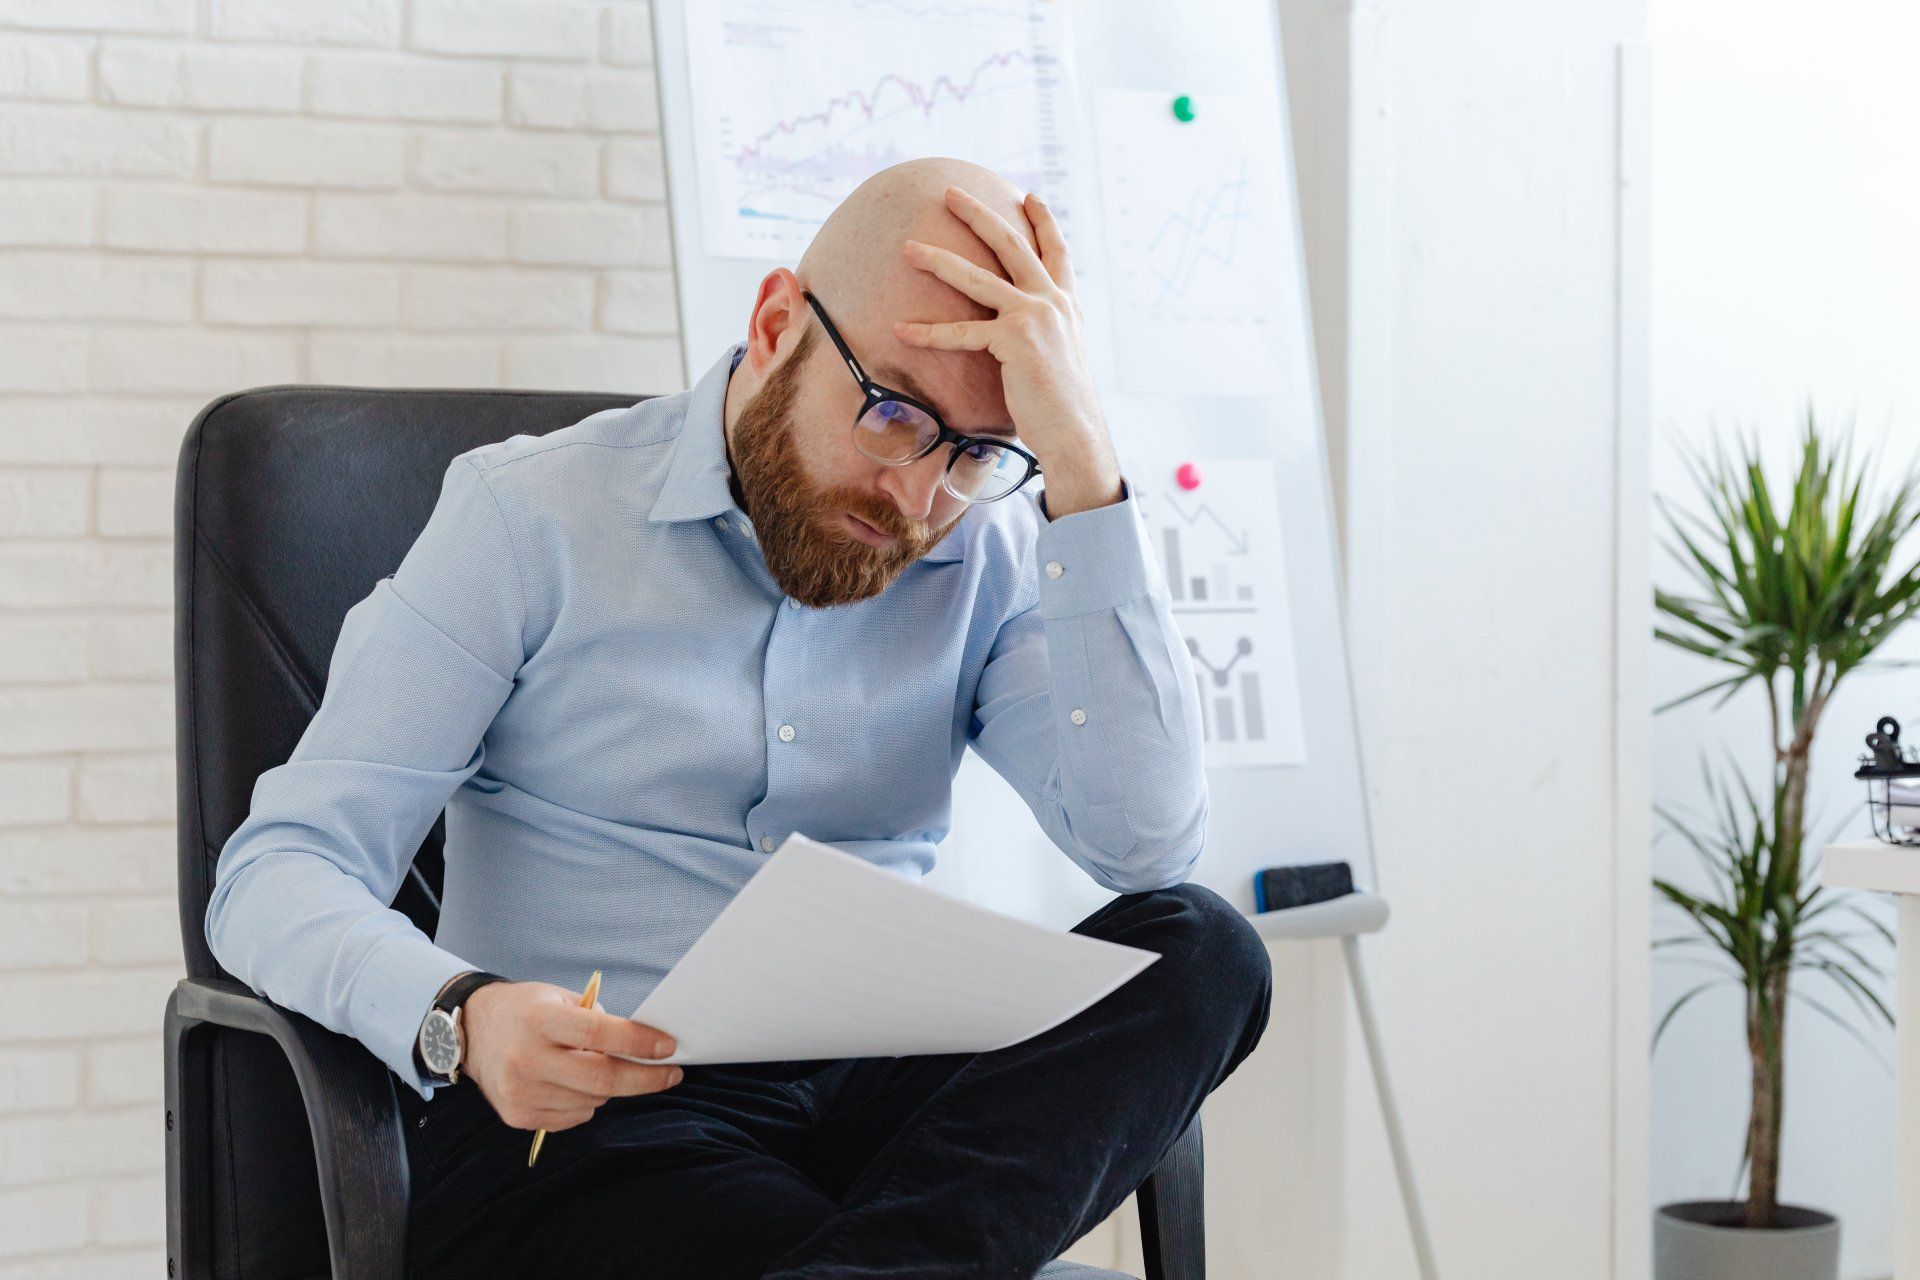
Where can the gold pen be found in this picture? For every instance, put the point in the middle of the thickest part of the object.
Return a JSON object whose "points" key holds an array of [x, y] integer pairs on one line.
{"points": [[586, 1002]]}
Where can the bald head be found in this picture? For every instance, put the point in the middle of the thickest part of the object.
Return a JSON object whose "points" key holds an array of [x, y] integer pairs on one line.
{"points": [[854, 261], [855, 267]]}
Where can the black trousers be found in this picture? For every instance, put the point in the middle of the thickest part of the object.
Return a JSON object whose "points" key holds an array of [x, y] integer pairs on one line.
{"points": [[975, 1165]]}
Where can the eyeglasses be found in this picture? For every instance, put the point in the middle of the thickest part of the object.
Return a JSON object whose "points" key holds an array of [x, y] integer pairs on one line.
{"points": [[895, 428]]}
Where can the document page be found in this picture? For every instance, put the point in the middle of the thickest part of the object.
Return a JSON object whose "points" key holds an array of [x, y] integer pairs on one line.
{"points": [[824, 955]]}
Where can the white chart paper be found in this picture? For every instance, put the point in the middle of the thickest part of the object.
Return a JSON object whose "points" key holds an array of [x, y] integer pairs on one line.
{"points": [[796, 104], [1219, 548], [824, 955], [1196, 246]]}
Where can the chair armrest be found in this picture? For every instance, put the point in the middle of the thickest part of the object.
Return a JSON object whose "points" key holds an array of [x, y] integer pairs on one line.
{"points": [[1173, 1229], [360, 1147], [358, 1141]]}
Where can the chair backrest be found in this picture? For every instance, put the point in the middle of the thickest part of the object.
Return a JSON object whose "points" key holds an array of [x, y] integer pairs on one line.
{"points": [[291, 502]]}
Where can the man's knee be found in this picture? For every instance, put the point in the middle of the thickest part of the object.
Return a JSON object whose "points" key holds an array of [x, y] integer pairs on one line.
{"points": [[1220, 961]]}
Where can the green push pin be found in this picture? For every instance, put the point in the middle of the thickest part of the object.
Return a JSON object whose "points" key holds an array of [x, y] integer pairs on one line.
{"points": [[1183, 109]]}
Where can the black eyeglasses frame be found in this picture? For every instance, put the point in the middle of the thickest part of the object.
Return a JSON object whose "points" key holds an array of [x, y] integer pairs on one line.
{"points": [[874, 393]]}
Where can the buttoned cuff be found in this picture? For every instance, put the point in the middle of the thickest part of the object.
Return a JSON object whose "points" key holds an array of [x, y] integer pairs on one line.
{"points": [[392, 997], [1094, 560]]}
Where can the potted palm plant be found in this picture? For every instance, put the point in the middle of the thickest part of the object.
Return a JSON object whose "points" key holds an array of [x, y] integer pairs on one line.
{"points": [[1790, 593]]}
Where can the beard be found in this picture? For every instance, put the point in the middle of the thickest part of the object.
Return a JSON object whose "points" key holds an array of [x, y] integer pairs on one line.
{"points": [[802, 530]]}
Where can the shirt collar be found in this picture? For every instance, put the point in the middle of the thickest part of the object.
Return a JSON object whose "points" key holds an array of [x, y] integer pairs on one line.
{"points": [[696, 484]]}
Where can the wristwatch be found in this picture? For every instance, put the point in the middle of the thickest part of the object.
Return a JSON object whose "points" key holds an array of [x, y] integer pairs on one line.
{"points": [[440, 1047]]}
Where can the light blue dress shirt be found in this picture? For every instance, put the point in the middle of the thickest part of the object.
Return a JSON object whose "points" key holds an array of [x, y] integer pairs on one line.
{"points": [[585, 662]]}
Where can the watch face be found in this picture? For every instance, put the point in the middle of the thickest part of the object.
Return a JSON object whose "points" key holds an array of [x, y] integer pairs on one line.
{"points": [[438, 1044]]}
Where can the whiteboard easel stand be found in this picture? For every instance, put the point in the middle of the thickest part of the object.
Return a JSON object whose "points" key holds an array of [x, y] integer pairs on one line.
{"points": [[1346, 918]]}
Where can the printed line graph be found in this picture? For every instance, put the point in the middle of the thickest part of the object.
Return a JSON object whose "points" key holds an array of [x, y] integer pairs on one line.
{"points": [[1184, 240], [796, 106], [819, 150], [1195, 218], [1237, 539]]}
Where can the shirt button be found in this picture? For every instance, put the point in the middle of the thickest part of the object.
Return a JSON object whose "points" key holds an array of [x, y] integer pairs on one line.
{"points": [[766, 842], [1078, 716], [792, 603], [786, 733], [719, 522], [1053, 569]]}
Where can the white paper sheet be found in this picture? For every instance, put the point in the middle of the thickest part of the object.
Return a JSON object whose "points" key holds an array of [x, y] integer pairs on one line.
{"points": [[824, 955], [1199, 243]]}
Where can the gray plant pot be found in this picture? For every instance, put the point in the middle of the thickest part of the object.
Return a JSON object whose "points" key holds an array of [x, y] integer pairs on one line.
{"points": [[1703, 1240]]}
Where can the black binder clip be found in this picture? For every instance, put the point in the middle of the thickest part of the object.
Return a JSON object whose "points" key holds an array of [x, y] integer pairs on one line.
{"points": [[1890, 762]]}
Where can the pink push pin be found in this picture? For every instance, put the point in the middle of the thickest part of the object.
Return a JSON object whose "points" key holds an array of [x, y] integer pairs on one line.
{"points": [[1188, 476]]}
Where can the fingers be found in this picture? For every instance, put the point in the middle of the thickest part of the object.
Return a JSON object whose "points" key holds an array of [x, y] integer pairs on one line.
{"points": [[523, 1095], [586, 1038], [596, 1029], [1053, 244], [577, 1081], [970, 278], [1015, 254], [550, 1067], [566, 1079], [597, 1077], [955, 335], [1046, 278]]}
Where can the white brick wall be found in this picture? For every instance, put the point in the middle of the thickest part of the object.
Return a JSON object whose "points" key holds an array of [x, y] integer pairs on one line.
{"points": [[198, 196]]}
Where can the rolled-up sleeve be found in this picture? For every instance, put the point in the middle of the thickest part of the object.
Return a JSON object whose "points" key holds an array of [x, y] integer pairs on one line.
{"points": [[301, 909], [1087, 704]]}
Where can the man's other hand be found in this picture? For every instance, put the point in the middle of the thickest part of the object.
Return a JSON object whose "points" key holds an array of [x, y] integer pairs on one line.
{"points": [[544, 1062]]}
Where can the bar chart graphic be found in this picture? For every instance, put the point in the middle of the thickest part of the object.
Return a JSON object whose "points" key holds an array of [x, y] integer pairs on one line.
{"points": [[1219, 549]]}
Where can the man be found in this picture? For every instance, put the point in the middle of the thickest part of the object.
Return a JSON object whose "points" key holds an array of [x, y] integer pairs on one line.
{"points": [[630, 657]]}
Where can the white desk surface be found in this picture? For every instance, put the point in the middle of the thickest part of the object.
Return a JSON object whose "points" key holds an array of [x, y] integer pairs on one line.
{"points": [[1871, 864], [1892, 868]]}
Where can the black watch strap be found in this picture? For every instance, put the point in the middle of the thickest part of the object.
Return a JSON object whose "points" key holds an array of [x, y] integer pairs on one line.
{"points": [[463, 985]]}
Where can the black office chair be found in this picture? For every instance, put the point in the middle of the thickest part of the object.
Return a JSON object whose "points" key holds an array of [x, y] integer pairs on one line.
{"points": [[285, 1158]]}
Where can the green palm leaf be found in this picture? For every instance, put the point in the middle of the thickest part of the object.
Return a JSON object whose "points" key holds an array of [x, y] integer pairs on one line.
{"points": [[1790, 583]]}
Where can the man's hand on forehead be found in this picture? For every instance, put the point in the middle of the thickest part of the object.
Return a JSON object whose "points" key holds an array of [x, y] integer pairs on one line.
{"points": [[1035, 334]]}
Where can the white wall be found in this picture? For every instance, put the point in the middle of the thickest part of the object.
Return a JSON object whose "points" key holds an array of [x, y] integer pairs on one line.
{"points": [[1457, 170], [1785, 268], [1495, 480], [198, 196]]}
